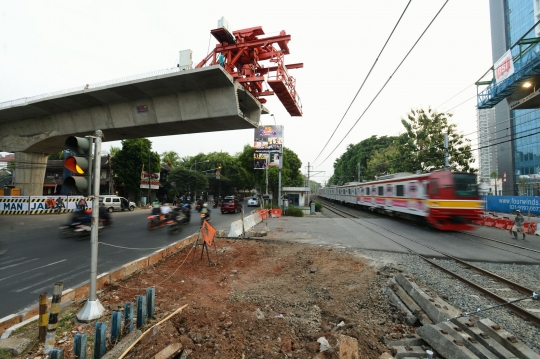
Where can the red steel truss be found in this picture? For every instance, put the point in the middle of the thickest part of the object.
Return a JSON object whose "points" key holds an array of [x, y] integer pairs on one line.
{"points": [[240, 54]]}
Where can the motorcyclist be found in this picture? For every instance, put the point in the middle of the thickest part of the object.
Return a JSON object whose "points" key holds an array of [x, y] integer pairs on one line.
{"points": [[205, 212], [186, 210], [165, 212], [104, 214]]}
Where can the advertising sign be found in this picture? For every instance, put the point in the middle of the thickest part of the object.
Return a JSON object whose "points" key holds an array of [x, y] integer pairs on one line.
{"points": [[504, 68], [508, 204], [154, 180], [268, 146]]}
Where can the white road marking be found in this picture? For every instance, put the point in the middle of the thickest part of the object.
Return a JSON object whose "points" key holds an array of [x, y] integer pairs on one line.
{"points": [[30, 270], [14, 265]]}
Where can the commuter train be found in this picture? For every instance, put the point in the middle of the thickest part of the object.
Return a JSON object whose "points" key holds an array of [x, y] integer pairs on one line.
{"points": [[447, 200]]}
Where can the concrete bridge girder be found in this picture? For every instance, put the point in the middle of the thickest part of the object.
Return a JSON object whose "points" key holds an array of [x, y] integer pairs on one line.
{"points": [[201, 100]]}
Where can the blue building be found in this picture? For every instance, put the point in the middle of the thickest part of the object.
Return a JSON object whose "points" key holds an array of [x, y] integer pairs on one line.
{"points": [[512, 88]]}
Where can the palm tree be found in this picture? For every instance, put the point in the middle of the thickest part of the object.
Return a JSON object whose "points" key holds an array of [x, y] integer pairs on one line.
{"points": [[494, 175], [170, 158], [114, 150]]}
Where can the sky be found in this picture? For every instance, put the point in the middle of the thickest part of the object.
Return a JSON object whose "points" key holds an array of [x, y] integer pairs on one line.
{"points": [[47, 46]]}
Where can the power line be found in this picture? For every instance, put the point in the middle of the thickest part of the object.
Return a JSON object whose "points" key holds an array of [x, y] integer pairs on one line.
{"points": [[365, 79], [387, 81]]}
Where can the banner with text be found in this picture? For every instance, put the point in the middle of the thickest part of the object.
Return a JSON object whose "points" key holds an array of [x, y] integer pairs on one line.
{"points": [[508, 204]]}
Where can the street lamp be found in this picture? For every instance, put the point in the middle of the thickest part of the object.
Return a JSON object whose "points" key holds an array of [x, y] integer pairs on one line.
{"points": [[195, 165]]}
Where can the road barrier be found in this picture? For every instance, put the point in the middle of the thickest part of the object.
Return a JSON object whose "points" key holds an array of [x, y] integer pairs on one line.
{"points": [[505, 223], [275, 212], [40, 204]]}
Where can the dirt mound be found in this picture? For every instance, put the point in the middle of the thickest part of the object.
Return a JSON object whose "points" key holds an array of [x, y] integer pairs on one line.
{"points": [[258, 299]]}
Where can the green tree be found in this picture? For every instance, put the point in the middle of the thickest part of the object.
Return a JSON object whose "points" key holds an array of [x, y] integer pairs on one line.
{"points": [[346, 166], [170, 158], [422, 146], [113, 151], [56, 156], [186, 180], [494, 175], [130, 161], [291, 175]]}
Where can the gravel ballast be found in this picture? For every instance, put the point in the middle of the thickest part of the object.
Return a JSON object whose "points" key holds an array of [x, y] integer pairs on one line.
{"points": [[466, 298]]}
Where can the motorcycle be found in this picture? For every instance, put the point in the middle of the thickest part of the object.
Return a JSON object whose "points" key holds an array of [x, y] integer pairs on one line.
{"points": [[198, 207], [155, 221], [176, 223], [205, 217], [214, 204], [73, 229]]}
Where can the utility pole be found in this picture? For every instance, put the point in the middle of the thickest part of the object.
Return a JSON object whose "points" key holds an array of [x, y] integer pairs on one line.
{"points": [[446, 164], [149, 177], [359, 173]]}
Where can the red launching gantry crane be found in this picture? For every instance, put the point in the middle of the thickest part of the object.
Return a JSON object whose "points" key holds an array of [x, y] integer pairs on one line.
{"points": [[240, 54]]}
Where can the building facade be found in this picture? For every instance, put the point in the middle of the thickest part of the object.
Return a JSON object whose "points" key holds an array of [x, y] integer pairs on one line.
{"points": [[487, 154], [515, 134]]}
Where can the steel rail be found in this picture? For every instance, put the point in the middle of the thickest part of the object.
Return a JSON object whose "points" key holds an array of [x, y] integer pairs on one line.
{"points": [[495, 240], [523, 313]]}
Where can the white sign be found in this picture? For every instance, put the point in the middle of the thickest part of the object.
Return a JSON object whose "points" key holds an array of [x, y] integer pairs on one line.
{"points": [[504, 68]]}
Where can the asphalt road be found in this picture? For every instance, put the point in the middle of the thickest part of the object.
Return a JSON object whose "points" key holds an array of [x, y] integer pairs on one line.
{"points": [[37, 257]]}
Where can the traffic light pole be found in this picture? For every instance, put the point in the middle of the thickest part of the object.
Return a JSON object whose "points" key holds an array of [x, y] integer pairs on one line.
{"points": [[93, 308]]}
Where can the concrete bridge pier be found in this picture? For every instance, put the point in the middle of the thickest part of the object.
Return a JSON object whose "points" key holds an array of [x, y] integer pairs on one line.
{"points": [[29, 172]]}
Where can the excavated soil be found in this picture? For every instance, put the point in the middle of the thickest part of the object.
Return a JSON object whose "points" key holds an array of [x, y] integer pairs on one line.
{"points": [[258, 299]]}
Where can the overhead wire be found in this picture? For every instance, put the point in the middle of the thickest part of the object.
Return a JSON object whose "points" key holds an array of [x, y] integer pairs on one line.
{"points": [[387, 81], [365, 79]]}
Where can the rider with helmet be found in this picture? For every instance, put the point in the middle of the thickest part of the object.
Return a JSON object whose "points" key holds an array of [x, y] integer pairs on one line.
{"points": [[205, 212]]}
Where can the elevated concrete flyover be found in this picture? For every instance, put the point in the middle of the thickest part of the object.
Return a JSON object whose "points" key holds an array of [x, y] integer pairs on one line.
{"points": [[168, 102]]}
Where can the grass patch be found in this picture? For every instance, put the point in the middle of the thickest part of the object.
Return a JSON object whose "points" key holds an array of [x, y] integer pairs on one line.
{"points": [[4, 354]]}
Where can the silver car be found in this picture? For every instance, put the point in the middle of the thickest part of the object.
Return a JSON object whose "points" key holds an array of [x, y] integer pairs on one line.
{"points": [[114, 203]]}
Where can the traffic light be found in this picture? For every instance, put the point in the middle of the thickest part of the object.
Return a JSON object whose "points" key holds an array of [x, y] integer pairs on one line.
{"points": [[80, 165]]}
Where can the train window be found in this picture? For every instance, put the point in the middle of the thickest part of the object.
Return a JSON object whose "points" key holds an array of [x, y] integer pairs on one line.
{"points": [[399, 190], [465, 185], [434, 187], [367, 191], [381, 190], [389, 189]]}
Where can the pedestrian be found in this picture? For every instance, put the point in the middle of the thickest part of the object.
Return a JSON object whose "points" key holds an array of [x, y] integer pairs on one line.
{"points": [[175, 200], [518, 227], [82, 204], [164, 199], [59, 205]]}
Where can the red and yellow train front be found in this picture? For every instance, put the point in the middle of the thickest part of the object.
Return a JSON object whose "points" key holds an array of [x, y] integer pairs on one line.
{"points": [[453, 202]]}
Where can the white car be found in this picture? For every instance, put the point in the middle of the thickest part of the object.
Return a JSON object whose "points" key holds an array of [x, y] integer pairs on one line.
{"points": [[253, 202]]}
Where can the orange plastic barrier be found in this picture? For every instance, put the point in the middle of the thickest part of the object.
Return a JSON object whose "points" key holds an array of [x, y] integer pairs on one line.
{"points": [[480, 221], [263, 213], [489, 221], [275, 213], [501, 222], [509, 224], [530, 227]]}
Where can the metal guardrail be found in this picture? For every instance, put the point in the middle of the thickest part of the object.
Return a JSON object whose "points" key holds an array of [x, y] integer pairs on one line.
{"points": [[25, 100]]}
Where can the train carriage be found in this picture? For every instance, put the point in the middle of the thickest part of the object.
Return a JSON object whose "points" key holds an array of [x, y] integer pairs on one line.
{"points": [[447, 200]]}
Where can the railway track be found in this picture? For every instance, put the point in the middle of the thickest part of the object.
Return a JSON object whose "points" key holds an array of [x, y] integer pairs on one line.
{"points": [[521, 312]]}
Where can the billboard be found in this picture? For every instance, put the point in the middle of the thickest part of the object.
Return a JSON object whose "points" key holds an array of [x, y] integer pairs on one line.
{"points": [[504, 68], [154, 180], [268, 145]]}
